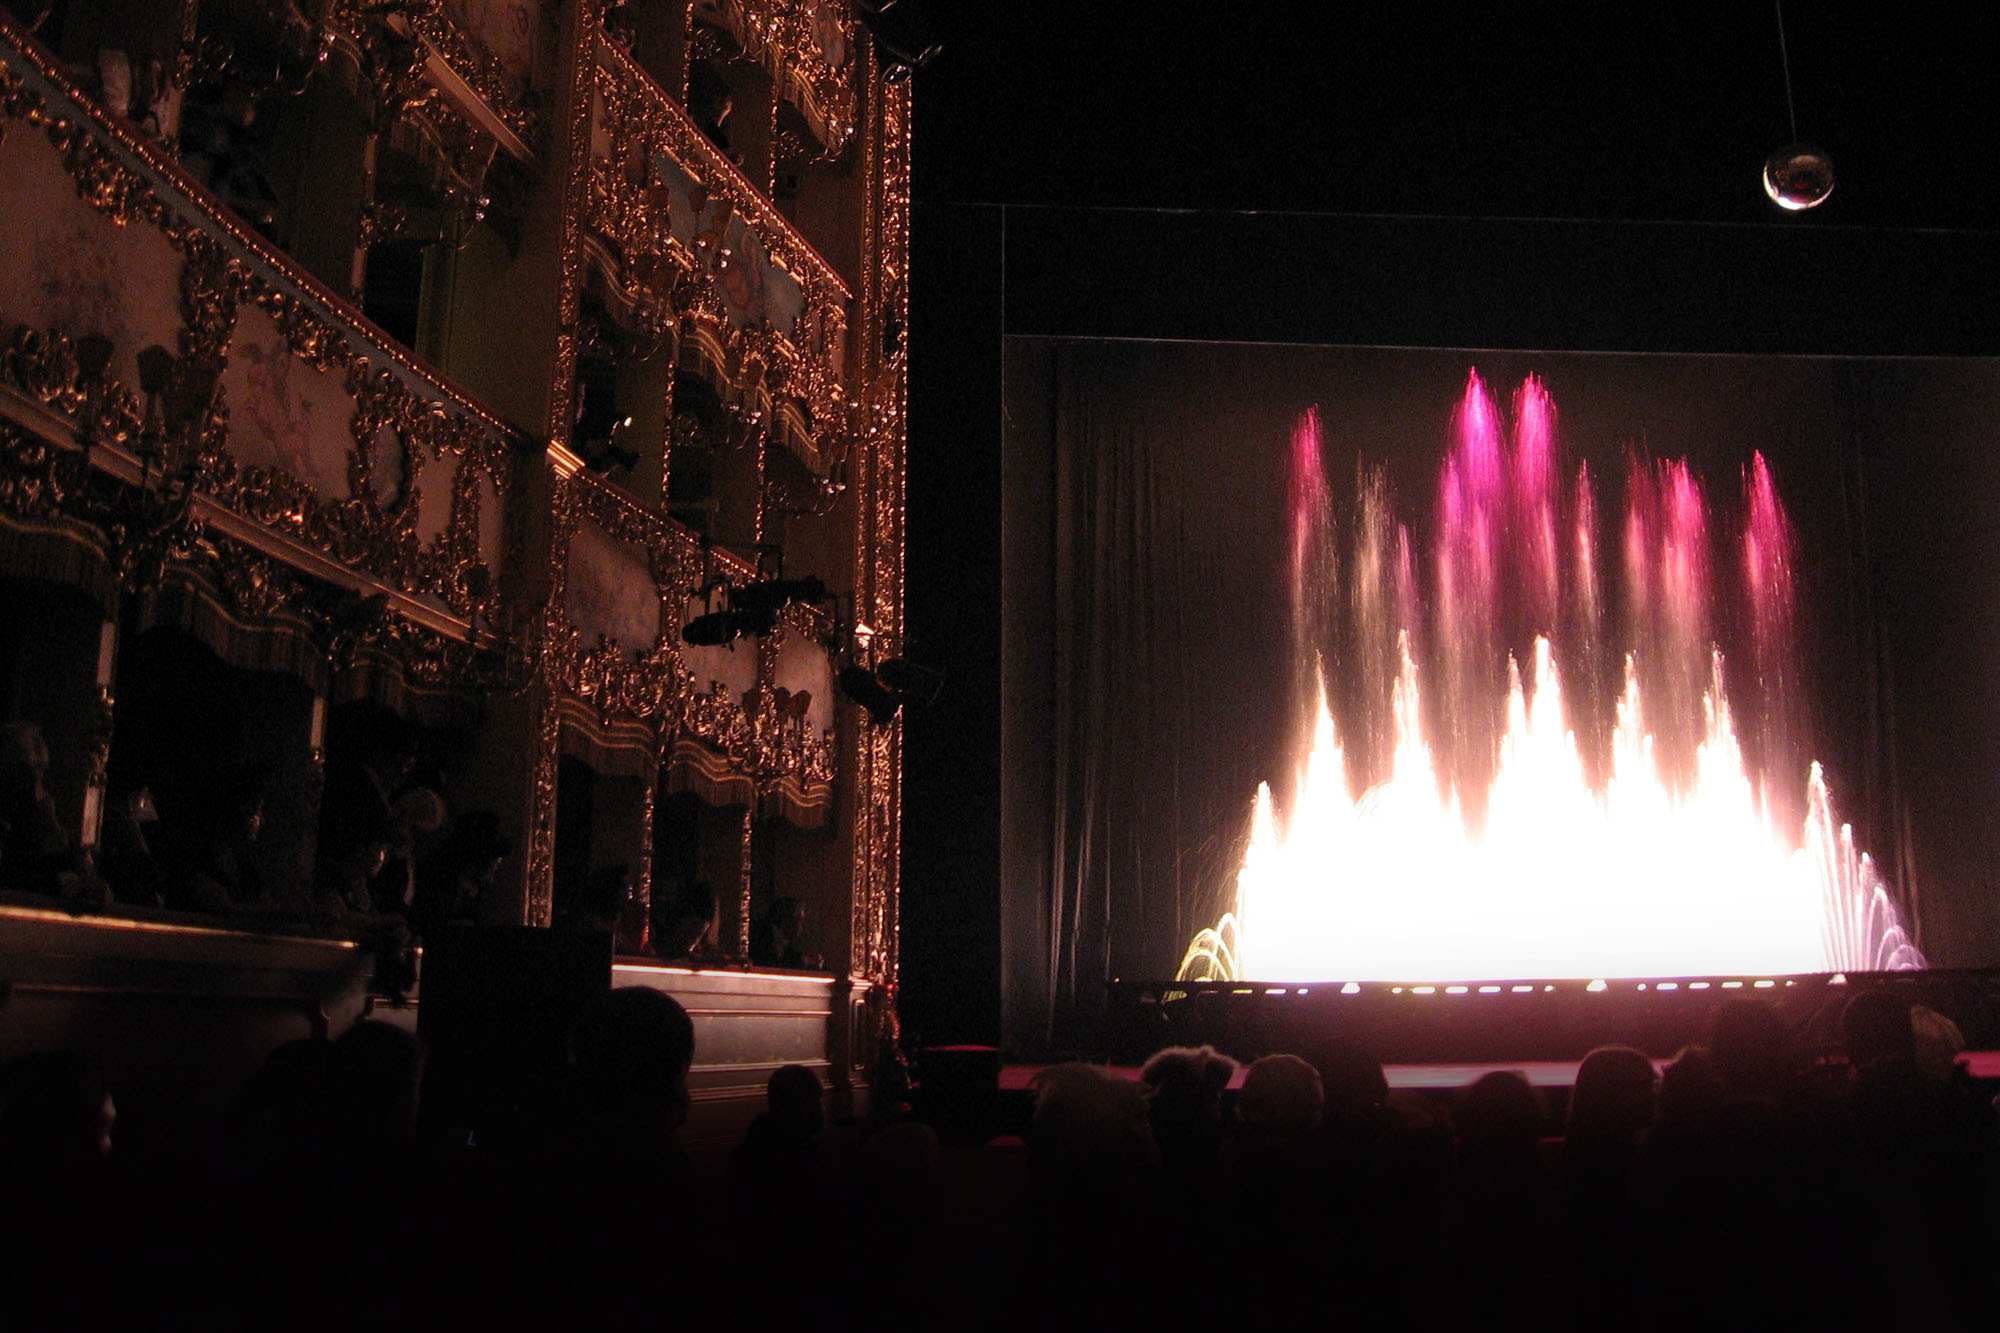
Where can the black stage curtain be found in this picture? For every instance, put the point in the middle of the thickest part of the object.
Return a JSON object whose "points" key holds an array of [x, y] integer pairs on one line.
{"points": [[1147, 679]]}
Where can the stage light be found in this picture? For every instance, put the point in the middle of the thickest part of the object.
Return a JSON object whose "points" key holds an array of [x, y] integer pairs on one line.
{"points": [[1797, 176], [890, 686], [1489, 990], [1351, 988], [776, 594], [1763, 985], [719, 628], [752, 611], [1670, 985], [914, 684], [859, 684], [1597, 987], [1455, 990], [1524, 990], [1697, 985]]}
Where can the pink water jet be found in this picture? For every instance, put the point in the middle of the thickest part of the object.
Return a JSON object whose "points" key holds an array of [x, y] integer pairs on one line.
{"points": [[1537, 769]]}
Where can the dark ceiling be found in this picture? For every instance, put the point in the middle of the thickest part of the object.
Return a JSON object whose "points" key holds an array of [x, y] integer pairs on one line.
{"points": [[1637, 111]]}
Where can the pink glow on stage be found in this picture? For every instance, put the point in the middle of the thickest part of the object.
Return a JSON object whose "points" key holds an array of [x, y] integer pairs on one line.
{"points": [[1525, 790]]}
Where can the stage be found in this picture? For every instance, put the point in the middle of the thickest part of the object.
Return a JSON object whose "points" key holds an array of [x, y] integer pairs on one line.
{"points": [[1549, 1075], [1425, 1024]]}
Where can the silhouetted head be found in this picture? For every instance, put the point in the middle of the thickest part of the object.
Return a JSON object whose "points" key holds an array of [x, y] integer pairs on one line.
{"points": [[476, 842], [1752, 1047], [1500, 1109], [1691, 1090], [1186, 1083], [1090, 1125], [1281, 1096], [1613, 1100], [597, 902], [1875, 1026], [632, 1048], [683, 919], [793, 1095], [1937, 1040], [377, 1069]]}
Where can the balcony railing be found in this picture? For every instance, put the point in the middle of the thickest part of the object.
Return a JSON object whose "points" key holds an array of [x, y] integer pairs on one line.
{"points": [[760, 308]]}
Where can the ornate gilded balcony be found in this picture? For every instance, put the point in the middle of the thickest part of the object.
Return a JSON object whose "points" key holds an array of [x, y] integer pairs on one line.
{"points": [[483, 62], [183, 403], [807, 47], [752, 719], [691, 246]]}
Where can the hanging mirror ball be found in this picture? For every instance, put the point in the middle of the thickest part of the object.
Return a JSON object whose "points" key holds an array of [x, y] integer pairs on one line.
{"points": [[1798, 177]]}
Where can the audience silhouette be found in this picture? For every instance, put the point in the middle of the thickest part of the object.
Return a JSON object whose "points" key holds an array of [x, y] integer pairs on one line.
{"points": [[1742, 1185]]}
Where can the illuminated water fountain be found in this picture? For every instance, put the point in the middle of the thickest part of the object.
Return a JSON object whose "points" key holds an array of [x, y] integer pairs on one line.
{"points": [[1542, 776]]}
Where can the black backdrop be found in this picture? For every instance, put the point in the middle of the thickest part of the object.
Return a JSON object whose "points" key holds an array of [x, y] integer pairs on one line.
{"points": [[1145, 660]]}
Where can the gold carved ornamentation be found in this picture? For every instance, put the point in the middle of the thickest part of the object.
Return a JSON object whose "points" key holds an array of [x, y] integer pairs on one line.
{"points": [[879, 460], [542, 816], [316, 322], [472, 63], [791, 381], [808, 47], [578, 80], [346, 625], [98, 733], [358, 530], [642, 681], [746, 872], [142, 527]]}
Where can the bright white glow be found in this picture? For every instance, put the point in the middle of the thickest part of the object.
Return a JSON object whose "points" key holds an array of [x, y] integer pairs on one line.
{"points": [[1561, 880]]}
